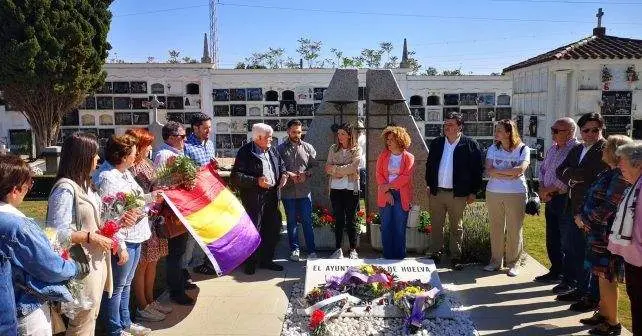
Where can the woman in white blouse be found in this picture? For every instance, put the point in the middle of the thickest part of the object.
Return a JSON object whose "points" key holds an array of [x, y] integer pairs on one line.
{"points": [[506, 162], [113, 177]]}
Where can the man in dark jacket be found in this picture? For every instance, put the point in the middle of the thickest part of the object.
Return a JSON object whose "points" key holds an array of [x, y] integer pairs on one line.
{"points": [[580, 168], [257, 170], [454, 176]]}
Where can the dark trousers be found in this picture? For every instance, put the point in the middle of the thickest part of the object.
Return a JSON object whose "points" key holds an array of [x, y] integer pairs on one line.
{"points": [[393, 228], [175, 275], [344, 208], [363, 176], [633, 276], [266, 217], [556, 220], [575, 255]]}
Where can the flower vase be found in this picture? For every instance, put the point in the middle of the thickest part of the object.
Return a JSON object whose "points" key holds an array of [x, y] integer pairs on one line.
{"points": [[415, 241], [324, 239]]}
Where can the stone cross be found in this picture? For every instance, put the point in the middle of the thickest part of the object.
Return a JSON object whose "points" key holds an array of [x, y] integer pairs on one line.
{"points": [[599, 15], [155, 126]]}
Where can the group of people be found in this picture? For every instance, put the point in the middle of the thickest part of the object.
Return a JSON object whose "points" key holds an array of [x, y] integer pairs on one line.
{"points": [[593, 230]]}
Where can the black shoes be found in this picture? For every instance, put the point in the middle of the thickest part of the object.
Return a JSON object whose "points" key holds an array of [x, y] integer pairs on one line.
{"points": [[436, 257], [563, 288], [548, 278], [572, 296], [249, 268], [189, 285], [606, 329], [182, 299], [204, 269], [272, 266], [585, 304], [593, 320]]}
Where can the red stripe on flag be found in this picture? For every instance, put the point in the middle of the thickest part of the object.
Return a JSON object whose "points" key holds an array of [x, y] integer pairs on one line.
{"points": [[208, 186]]}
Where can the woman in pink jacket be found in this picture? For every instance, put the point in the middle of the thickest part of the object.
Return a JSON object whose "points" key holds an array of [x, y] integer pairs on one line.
{"points": [[395, 167]]}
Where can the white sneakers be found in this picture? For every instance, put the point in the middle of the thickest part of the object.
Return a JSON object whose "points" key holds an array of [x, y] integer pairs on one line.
{"points": [[150, 314], [294, 256], [137, 330], [312, 255], [338, 254], [491, 268], [513, 271], [353, 254], [165, 309]]}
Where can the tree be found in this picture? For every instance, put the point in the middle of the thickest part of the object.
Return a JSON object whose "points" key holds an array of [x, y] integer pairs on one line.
{"points": [[274, 57], [173, 56], [115, 59], [392, 63], [240, 65], [291, 63], [51, 55], [338, 56], [430, 71], [309, 50], [188, 59], [413, 63], [151, 59], [372, 57], [455, 72], [387, 48]]}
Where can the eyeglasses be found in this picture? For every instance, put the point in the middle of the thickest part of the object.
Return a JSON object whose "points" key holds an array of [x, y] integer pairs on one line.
{"points": [[594, 130], [182, 136], [557, 130]]}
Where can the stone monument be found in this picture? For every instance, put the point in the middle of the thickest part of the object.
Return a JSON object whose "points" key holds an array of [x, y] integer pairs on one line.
{"points": [[155, 127], [339, 106], [386, 106]]}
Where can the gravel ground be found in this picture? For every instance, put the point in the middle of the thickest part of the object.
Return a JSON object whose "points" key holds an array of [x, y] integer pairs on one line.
{"points": [[297, 325]]}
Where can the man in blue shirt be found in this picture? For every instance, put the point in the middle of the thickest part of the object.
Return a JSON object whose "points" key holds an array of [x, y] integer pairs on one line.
{"points": [[199, 148]]}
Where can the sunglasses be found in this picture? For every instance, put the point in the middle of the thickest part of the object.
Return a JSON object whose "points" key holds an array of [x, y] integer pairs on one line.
{"points": [[594, 130], [557, 130]]}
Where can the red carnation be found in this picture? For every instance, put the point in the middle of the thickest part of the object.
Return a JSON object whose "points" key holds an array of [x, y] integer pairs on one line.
{"points": [[65, 254], [121, 196], [108, 199], [110, 228], [429, 229], [318, 316], [361, 213]]}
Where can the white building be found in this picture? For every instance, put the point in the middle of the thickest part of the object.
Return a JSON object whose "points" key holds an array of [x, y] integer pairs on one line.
{"points": [[594, 74], [238, 98]]}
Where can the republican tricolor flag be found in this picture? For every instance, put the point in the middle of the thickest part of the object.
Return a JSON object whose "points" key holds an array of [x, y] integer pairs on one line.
{"points": [[216, 219]]}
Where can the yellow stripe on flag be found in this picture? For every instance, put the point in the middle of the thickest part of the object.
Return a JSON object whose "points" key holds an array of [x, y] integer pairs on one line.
{"points": [[217, 218]]}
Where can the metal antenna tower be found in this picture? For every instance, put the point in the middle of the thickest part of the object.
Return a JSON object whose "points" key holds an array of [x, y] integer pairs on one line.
{"points": [[214, 32]]}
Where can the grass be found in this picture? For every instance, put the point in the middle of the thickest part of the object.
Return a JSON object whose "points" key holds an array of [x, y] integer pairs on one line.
{"points": [[535, 246]]}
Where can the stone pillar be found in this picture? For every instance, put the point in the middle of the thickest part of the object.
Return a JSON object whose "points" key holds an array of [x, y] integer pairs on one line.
{"points": [[383, 89], [344, 87], [52, 158]]}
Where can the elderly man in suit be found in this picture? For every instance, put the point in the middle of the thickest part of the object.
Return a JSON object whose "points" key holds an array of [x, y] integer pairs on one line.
{"points": [[257, 169], [580, 168]]}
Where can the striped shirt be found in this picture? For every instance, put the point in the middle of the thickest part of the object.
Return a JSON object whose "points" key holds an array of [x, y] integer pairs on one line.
{"points": [[554, 157], [198, 150]]}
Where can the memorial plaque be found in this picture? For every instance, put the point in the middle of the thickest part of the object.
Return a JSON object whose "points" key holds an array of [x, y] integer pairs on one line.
{"points": [[532, 126], [617, 125], [251, 122], [305, 109], [104, 134], [122, 103], [503, 100], [121, 87], [189, 116], [90, 103], [221, 110], [221, 94], [503, 113], [486, 99], [223, 141], [238, 126], [409, 269], [418, 113], [616, 102], [288, 108], [104, 103], [140, 118], [433, 114], [254, 111], [519, 120], [486, 114], [178, 117], [468, 99], [469, 114], [451, 99], [138, 87], [21, 142], [174, 103], [255, 94], [239, 140], [448, 110], [161, 99], [270, 110], [470, 129], [433, 130], [106, 119], [305, 124], [237, 94], [123, 118], [88, 120], [71, 118], [137, 103], [238, 110], [107, 87], [318, 93], [64, 133], [158, 88], [274, 123]]}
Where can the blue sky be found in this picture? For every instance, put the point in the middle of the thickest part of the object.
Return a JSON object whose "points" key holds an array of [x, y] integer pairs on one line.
{"points": [[478, 36]]}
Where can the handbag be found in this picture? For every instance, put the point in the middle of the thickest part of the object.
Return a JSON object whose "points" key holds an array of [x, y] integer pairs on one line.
{"points": [[533, 203]]}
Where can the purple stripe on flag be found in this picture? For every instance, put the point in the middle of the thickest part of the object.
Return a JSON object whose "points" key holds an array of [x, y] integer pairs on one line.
{"points": [[236, 245]]}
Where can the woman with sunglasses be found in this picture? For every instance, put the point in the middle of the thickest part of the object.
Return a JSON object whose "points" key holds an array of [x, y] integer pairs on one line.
{"points": [[506, 163], [30, 271]]}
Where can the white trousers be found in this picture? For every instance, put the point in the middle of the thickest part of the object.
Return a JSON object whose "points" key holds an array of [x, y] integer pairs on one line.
{"points": [[38, 323]]}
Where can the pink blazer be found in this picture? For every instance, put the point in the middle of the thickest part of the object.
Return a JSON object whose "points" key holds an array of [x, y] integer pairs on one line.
{"points": [[403, 183]]}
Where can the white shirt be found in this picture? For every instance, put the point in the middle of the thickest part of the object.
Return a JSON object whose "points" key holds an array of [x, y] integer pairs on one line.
{"points": [[501, 159], [8, 208], [394, 167], [585, 150], [445, 175]]}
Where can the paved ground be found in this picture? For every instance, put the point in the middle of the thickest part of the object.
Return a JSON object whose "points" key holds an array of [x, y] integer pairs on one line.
{"points": [[255, 305]]}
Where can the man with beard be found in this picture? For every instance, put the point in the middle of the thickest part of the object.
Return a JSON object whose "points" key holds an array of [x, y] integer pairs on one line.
{"points": [[299, 157]]}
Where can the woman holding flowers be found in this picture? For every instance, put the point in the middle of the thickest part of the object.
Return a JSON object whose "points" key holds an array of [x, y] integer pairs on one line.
{"points": [[115, 181], [74, 211], [342, 167], [155, 247], [30, 270], [395, 167]]}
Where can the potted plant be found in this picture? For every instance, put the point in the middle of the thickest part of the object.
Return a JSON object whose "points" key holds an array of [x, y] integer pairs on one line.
{"points": [[374, 221], [323, 225]]}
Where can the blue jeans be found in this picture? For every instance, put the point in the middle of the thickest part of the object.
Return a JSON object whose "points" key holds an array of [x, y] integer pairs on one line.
{"points": [[556, 221], [575, 243], [299, 209], [115, 310], [393, 228]]}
